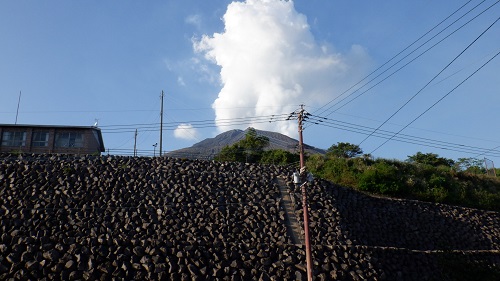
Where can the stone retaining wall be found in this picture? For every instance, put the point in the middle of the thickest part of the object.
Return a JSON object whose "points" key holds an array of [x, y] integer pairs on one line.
{"points": [[143, 218]]}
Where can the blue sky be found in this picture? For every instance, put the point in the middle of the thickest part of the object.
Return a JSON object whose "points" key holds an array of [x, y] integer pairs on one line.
{"points": [[233, 64]]}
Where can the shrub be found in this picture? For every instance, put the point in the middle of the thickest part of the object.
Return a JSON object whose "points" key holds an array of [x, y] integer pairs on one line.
{"points": [[279, 157], [438, 183], [382, 178]]}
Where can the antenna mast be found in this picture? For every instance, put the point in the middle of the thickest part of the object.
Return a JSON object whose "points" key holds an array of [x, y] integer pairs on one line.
{"points": [[18, 102]]}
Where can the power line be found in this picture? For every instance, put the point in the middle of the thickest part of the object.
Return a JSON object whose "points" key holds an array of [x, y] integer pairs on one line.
{"points": [[201, 124], [484, 153], [430, 81], [196, 124], [318, 120], [406, 64], [200, 121], [417, 128], [145, 110], [404, 138], [438, 101], [395, 56]]}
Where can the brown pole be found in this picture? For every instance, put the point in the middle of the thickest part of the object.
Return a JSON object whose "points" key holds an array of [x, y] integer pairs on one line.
{"points": [[161, 123], [135, 143], [304, 198], [301, 140]]}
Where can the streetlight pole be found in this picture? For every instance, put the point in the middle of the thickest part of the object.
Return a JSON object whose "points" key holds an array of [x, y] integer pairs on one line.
{"points": [[154, 149]]}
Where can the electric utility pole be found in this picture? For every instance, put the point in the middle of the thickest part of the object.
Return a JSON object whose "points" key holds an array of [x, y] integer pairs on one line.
{"points": [[304, 195], [301, 115], [135, 143], [161, 122], [300, 118]]}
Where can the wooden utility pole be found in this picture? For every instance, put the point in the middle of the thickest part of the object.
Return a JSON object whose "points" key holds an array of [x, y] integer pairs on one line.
{"points": [[303, 175], [161, 123], [301, 139], [135, 143]]}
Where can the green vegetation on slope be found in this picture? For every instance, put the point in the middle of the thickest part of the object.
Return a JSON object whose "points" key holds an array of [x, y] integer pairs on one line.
{"points": [[424, 177], [251, 150]]}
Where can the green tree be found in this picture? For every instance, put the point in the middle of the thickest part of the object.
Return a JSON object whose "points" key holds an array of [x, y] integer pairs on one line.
{"points": [[470, 165], [279, 157], [249, 149], [344, 150], [253, 145], [230, 153], [431, 159], [409, 180], [383, 178]]}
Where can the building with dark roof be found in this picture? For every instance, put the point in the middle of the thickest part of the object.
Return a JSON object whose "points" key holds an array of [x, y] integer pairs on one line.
{"points": [[51, 139]]}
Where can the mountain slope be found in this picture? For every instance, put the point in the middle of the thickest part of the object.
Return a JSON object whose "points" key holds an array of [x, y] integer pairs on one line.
{"points": [[210, 147]]}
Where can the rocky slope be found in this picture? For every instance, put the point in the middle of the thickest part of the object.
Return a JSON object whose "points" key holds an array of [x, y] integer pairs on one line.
{"points": [[69, 218]]}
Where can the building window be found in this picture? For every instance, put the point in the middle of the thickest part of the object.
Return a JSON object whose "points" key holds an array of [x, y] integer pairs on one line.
{"points": [[14, 139], [40, 139], [69, 140]]}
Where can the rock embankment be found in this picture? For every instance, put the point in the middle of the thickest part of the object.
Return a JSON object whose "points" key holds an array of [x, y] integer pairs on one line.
{"points": [[74, 218], [401, 239]]}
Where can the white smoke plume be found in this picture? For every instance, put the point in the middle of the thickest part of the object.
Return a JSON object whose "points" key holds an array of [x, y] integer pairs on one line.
{"points": [[270, 63]]}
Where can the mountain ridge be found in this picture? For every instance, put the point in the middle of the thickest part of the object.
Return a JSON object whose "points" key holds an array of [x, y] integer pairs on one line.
{"points": [[210, 147]]}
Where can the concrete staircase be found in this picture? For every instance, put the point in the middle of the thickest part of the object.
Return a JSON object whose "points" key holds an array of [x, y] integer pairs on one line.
{"points": [[294, 230]]}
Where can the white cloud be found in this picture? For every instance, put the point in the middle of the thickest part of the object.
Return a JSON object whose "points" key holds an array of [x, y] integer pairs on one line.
{"points": [[194, 20], [270, 63], [186, 131], [180, 81], [205, 72]]}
